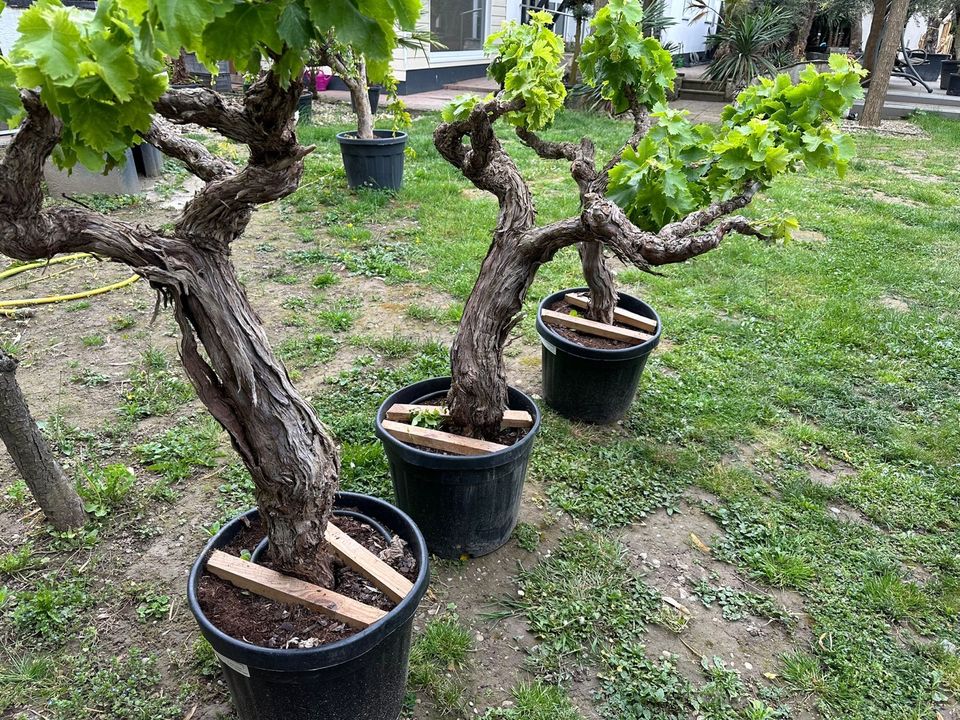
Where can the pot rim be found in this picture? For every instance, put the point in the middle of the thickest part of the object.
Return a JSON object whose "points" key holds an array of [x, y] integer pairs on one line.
{"points": [[547, 334], [382, 137], [435, 460], [331, 654]]}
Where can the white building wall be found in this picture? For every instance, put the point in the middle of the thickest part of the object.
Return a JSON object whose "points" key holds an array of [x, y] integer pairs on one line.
{"points": [[689, 36], [916, 27], [8, 28]]}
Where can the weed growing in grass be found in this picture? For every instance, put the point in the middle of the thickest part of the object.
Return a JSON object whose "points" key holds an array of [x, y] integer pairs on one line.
{"points": [[155, 388], [389, 262], [154, 606], [738, 604], [183, 449], [23, 678], [16, 492], [325, 279], [527, 536], [93, 341], [363, 469], [205, 660], [536, 701], [393, 347], [89, 377], [121, 688], [436, 657], [449, 315], [236, 492], [310, 351], [119, 323], [337, 320], [103, 489], [51, 610], [23, 558], [78, 306]]}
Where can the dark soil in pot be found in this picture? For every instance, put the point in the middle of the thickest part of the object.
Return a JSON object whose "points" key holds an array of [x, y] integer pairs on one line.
{"points": [[589, 378], [318, 670], [464, 505]]}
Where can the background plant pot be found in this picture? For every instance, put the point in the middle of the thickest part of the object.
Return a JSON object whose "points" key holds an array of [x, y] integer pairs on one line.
{"points": [[948, 68], [323, 82], [305, 108], [376, 163], [953, 87], [464, 505], [363, 676], [373, 94], [590, 384]]}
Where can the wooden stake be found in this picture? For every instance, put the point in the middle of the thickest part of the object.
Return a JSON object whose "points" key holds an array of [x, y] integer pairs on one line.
{"points": [[271, 584], [440, 440], [394, 585], [403, 413], [620, 315], [592, 327]]}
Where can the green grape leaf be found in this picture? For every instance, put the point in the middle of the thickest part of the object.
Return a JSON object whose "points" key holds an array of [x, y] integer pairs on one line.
{"points": [[10, 107], [50, 38], [294, 26], [237, 33]]}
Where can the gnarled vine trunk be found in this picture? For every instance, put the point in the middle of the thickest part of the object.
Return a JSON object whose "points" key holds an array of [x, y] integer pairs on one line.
{"points": [[291, 457], [478, 392], [54, 493]]}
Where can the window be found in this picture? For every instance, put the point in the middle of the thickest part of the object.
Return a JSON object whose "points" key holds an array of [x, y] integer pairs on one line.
{"points": [[459, 24]]}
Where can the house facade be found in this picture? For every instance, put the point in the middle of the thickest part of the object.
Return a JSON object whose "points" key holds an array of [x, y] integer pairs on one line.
{"points": [[462, 26]]}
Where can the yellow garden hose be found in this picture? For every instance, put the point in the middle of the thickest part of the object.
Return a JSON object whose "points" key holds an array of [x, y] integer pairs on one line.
{"points": [[9, 306]]}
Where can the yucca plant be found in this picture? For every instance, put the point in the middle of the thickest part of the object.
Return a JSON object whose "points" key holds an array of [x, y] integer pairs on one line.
{"points": [[748, 45]]}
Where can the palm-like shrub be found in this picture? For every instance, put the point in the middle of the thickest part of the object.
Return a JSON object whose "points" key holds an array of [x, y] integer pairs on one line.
{"points": [[748, 45]]}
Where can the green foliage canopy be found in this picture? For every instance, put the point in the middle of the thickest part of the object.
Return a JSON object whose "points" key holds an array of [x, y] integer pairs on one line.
{"points": [[102, 72], [774, 127], [623, 64]]}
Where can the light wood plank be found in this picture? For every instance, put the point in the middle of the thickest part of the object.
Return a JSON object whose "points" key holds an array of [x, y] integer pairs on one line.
{"points": [[282, 588], [592, 327], [620, 315], [440, 440], [394, 585], [403, 413]]}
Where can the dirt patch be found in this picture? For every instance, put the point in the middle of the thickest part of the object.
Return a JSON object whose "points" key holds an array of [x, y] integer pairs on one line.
{"points": [[830, 476], [810, 237], [892, 302], [665, 553], [888, 128]]}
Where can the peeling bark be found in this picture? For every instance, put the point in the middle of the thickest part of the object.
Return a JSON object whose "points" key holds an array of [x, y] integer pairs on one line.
{"points": [[54, 493], [291, 457], [603, 291]]}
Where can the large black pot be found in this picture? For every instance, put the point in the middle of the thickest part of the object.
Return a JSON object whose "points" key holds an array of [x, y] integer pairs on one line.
{"points": [[590, 384], [363, 676], [928, 66], [376, 163], [464, 505], [949, 67]]}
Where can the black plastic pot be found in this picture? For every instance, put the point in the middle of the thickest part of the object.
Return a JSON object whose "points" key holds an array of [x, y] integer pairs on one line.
{"points": [[373, 95], [953, 87], [363, 676], [948, 68], [305, 108], [590, 384], [376, 163], [463, 505], [928, 66]]}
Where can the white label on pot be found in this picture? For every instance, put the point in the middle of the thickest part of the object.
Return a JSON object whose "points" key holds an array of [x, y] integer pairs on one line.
{"points": [[233, 664], [551, 348]]}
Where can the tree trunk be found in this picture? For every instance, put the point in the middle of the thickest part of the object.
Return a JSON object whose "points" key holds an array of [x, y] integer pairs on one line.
{"points": [[30, 451], [805, 24], [856, 33], [292, 459], [577, 42], [880, 77], [603, 291], [876, 30]]}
